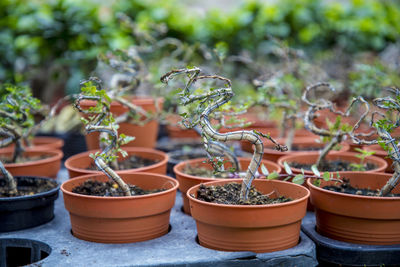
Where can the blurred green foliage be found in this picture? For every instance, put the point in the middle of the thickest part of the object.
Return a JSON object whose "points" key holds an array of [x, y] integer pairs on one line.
{"points": [[60, 39]]}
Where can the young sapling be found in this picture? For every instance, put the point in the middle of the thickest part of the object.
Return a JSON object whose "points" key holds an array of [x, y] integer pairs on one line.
{"points": [[390, 120], [100, 119], [337, 132]]}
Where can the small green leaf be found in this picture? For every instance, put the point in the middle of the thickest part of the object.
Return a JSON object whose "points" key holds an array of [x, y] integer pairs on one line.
{"points": [[298, 179], [273, 175], [287, 168], [315, 170], [264, 170], [317, 182], [326, 176]]}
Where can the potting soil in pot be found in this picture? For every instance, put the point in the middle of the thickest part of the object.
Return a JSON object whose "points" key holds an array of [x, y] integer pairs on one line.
{"points": [[132, 162], [27, 186], [230, 194], [109, 189], [346, 188], [331, 166]]}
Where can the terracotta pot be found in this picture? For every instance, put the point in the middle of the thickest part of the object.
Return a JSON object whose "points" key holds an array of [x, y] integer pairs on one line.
{"points": [[145, 136], [77, 165], [273, 132], [300, 142], [381, 153], [47, 167], [121, 219], [257, 228], [41, 143], [354, 218], [312, 156], [186, 181]]}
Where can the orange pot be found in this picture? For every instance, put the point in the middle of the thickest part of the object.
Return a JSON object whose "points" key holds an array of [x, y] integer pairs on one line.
{"points": [[273, 132], [354, 218], [257, 228], [301, 142], [145, 136], [41, 143], [187, 181], [312, 156], [77, 165], [47, 167], [381, 153], [121, 219]]}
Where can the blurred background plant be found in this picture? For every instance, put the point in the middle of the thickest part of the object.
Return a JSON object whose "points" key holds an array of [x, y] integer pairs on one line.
{"points": [[52, 44]]}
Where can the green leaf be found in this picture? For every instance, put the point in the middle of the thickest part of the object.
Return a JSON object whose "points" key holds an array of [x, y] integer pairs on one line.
{"points": [[264, 170], [298, 179], [317, 182], [315, 170], [326, 176], [288, 170], [273, 175]]}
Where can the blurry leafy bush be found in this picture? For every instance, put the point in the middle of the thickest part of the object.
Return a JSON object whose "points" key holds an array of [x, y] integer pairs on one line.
{"points": [[52, 44]]}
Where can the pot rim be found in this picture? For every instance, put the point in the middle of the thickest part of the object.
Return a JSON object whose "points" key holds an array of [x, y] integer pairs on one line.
{"points": [[189, 196], [42, 194], [176, 171], [339, 194], [90, 176], [164, 155], [55, 155], [142, 100], [336, 154], [302, 140]]}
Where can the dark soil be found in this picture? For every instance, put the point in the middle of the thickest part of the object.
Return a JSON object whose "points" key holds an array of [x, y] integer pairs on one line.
{"points": [[27, 186], [109, 189], [230, 194], [22, 159], [346, 188], [132, 162], [331, 166]]}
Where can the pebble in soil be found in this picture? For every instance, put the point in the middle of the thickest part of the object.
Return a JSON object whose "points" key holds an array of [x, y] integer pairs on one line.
{"points": [[230, 194], [27, 186], [331, 166], [132, 162], [109, 189], [346, 188]]}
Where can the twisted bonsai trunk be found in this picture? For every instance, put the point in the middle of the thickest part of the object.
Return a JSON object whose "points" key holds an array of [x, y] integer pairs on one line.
{"points": [[220, 96], [96, 126]]}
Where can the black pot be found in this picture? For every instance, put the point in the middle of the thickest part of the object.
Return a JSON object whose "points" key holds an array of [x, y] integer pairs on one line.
{"points": [[22, 212]]}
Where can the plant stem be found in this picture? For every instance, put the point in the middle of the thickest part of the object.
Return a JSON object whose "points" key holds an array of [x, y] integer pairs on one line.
{"points": [[12, 185]]}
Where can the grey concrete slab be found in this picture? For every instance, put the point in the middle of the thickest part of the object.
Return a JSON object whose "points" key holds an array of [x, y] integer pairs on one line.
{"points": [[177, 248]]}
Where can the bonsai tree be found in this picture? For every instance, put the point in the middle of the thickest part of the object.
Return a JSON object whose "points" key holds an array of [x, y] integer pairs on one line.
{"points": [[18, 109], [338, 131], [100, 119], [390, 120], [212, 100], [17, 117]]}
